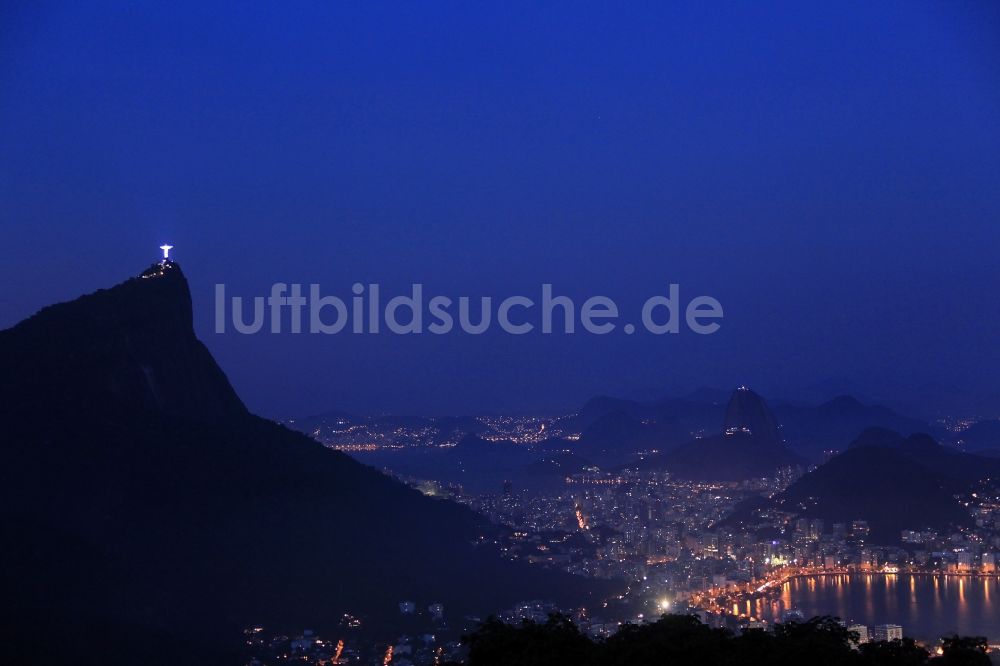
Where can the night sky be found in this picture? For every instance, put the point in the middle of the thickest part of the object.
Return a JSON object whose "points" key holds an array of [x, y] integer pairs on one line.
{"points": [[831, 175]]}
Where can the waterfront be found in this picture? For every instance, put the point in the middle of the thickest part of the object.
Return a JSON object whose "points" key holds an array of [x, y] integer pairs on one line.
{"points": [[927, 605]]}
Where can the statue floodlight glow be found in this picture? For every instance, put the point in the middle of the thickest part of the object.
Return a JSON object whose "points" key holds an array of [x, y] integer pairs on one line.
{"points": [[166, 251]]}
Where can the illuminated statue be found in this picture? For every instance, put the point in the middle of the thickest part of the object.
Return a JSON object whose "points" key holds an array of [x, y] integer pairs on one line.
{"points": [[166, 251]]}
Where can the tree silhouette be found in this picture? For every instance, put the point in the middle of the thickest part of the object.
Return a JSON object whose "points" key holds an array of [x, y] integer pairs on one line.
{"points": [[683, 640], [893, 653], [964, 651]]}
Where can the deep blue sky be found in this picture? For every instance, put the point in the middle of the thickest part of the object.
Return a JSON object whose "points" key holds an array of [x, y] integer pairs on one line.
{"points": [[830, 173]]}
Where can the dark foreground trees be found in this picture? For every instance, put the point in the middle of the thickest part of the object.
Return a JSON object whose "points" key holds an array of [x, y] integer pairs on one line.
{"points": [[682, 640]]}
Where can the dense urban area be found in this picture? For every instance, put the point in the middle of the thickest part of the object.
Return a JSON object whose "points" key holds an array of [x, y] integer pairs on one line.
{"points": [[678, 546]]}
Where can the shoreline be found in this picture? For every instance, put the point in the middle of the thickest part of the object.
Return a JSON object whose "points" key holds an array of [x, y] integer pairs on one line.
{"points": [[952, 574]]}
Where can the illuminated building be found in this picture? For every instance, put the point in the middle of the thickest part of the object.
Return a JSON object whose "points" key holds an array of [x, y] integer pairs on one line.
{"points": [[862, 632], [887, 632]]}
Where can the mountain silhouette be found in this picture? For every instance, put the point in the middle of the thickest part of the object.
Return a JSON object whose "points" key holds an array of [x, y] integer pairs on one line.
{"points": [[616, 437], [892, 481], [750, 446], [809, 431], [613, 430], [748, 413], [694, 412], [812, 430], [148, 517]]}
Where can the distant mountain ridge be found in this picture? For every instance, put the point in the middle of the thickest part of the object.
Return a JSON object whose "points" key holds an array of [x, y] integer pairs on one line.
{"points": [[750, 446], [615, 431], [808, 431], [479, 466], [694, 412], [831, 425], [332, 425]]}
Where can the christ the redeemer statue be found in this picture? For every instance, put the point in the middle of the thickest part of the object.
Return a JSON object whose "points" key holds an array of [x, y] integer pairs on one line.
{"points": [[166, 251]]}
